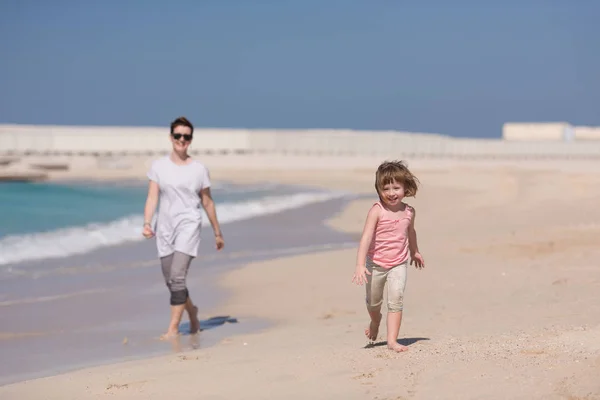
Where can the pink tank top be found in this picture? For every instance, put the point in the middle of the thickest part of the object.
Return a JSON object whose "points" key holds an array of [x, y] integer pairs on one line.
{"points": [[389, 246]]}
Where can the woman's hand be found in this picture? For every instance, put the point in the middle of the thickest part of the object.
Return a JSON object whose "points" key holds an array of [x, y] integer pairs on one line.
{"points": [[219, 242], [148, 232], [149, 208]]}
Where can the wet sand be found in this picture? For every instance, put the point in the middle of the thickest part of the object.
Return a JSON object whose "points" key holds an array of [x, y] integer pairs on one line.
{"points": [[111, 304]]}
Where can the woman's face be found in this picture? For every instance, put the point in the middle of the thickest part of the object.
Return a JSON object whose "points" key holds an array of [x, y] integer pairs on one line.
{"points": [[181, 138]]}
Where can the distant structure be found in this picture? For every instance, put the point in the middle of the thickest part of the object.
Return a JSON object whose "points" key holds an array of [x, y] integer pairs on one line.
{"points": [[558, 140], [548, 132]]}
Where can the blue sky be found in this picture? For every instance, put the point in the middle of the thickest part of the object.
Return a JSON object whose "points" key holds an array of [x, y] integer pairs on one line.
{"points": [[455, 67]]}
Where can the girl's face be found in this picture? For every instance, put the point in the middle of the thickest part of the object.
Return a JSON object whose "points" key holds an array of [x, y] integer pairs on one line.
{"points": [[392, 193], [181, 138]]}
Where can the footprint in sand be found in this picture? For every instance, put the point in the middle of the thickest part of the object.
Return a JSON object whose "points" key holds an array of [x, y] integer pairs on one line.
{"points": [[560, 281]]}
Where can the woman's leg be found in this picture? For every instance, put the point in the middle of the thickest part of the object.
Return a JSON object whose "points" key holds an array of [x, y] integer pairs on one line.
{"points": [[192, 311], [165, 263], [180, 299]]}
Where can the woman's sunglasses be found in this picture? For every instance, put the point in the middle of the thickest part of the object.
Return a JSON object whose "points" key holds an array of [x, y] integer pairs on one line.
{"points": [[178, 136]]}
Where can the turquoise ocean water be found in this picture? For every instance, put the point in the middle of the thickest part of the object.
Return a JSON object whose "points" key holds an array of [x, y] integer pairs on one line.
{"points": [[41, 207], [43, 220]]}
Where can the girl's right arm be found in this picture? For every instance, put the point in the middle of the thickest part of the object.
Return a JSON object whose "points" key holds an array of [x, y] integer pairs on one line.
{"points": [[363, 247], [151, 202]]}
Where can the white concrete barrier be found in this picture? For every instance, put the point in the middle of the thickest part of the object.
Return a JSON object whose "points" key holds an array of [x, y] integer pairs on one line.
{"points": [[587, 132], [559, 131], [550, 131], [69, 140], [29, 139]]}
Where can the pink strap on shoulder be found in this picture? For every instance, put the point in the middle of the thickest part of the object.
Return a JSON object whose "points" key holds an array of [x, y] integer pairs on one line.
{"points": [[381, 210]]}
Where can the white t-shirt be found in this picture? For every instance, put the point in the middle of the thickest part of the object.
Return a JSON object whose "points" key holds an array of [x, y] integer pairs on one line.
{"points": [[179, 217]]}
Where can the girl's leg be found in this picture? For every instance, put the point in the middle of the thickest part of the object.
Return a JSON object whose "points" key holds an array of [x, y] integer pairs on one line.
{"points": [[394, 320], [396, 281], [374, 298]]}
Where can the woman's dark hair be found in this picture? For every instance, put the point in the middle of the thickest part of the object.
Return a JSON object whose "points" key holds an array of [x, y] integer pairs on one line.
{"points": [[181, 121]]}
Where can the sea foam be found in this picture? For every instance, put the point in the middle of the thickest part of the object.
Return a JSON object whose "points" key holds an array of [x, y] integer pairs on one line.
{"points": [[82, 239]]}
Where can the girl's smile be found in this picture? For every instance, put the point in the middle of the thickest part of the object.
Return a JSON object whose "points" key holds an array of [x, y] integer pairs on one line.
{"points": [[393, 193]]}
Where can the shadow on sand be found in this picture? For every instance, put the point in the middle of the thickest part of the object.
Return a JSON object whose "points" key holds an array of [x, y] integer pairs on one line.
{"points": [[213, 322], [403, 342], [192, 341]]}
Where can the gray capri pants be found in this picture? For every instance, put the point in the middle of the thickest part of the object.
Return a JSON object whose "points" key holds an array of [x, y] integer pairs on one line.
{"points": [[175, 268]]}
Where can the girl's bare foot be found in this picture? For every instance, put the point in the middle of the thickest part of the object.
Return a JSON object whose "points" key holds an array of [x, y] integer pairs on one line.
{"points": [[397, 347], [373, 330], [194, 323]]}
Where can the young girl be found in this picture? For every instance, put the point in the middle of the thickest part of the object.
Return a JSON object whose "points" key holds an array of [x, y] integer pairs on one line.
{"points": [[388, 238]]}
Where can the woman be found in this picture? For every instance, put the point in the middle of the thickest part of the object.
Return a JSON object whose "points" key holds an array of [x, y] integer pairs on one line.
{"points": [[182, 185]]}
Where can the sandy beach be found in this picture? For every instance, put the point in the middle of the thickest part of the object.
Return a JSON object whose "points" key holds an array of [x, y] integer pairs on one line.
{"points": [[508, 306]]}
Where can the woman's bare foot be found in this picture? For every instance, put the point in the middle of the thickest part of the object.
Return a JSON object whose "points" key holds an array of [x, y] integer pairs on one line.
{"points": [[194, 323], [169, 335], [397, 347], [373, 330], [175, 341]]}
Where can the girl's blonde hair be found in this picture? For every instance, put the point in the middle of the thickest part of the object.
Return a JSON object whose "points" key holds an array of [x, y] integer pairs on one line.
{"points": [[396, 171]]}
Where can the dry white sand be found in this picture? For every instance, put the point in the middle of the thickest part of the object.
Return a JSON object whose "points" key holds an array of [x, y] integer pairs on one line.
{"points": [[257, 166], [508, 306]]}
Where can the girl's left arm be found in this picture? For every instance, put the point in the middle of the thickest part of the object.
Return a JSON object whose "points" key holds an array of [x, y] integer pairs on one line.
{"points": [[413, 247], [412, 235]]}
